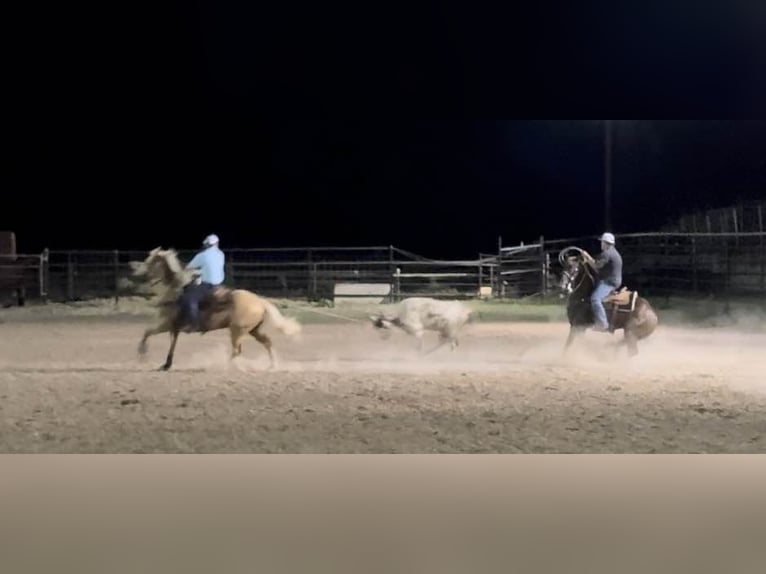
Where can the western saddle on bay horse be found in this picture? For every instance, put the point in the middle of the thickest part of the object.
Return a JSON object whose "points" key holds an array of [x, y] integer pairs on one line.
{"points": [[620, 301]]}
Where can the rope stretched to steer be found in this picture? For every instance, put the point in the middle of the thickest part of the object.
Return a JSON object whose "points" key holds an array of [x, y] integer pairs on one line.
{"points": [[327, 313]]}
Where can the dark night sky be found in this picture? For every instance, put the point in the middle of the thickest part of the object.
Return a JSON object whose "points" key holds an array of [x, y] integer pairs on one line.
{"points": [[131, 111]]}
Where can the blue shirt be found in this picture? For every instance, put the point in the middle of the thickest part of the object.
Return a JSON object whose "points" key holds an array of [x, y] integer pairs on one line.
{"points": [[211, 263]]}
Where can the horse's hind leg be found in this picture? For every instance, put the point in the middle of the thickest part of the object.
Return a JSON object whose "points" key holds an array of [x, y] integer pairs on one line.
{"points": [[266, 342], [237, 335], [632, 343]]}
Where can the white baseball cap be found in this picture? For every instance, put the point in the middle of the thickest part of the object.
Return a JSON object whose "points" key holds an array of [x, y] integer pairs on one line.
{"points": [[608, 238], [211, 240]]}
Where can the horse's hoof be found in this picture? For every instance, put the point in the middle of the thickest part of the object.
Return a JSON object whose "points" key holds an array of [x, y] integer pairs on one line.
{"points": [[165, 367]]}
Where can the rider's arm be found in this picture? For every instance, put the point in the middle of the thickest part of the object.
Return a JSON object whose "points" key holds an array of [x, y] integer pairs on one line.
{"points": [[601, 260], [196, 262], [598, 262]]}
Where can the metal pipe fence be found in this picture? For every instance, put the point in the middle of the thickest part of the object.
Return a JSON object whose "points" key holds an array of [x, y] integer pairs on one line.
{"points": [[672, 263], [677, 264], [310, 273]]}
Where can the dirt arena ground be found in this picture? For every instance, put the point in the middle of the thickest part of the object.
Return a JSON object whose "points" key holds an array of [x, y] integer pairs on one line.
{"points": [[75, 385]]}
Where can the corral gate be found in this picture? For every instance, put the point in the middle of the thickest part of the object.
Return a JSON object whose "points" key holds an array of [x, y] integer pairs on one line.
{"points": [[523, 270]]}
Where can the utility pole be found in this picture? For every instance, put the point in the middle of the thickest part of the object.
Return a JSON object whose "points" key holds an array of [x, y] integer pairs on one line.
{"points": [[607, 175]]}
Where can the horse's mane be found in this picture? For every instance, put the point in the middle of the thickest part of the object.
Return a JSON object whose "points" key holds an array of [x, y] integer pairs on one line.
{"points": [[164, 273]]}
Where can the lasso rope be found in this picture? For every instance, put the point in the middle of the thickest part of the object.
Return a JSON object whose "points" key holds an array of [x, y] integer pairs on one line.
{"points": [[326, 313]]}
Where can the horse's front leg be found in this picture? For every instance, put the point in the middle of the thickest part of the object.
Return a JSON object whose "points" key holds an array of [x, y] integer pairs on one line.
{"points": [[161, 328], [171, 351], [143, 347], [573, 332]]}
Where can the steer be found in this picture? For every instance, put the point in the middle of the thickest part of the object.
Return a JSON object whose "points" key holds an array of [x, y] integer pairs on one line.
{"points": [[416, 315]]}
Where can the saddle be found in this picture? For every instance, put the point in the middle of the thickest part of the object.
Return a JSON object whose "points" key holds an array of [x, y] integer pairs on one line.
{"points": [[620, 301], [214, 302], [623, 300], [218, 299]]}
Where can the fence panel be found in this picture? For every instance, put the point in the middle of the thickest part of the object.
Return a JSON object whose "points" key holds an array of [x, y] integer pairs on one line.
{"points": [[522, 271], [719, 264], [20, 275]]}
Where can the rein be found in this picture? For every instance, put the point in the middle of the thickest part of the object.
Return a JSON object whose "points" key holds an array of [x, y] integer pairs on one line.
{"points": [[586, 272]]}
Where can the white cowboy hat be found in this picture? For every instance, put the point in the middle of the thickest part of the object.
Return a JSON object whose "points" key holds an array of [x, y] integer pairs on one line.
{"points": [[608, 238], [211, 240]]}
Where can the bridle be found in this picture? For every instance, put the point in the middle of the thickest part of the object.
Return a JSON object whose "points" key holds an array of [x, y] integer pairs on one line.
{"points": [[570, 277]]}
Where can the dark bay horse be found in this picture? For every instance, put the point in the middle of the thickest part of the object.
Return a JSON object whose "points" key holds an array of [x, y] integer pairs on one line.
{"points": [[625, 309]]}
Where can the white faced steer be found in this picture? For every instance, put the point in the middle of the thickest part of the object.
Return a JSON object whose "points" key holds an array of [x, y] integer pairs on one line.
{"points": [[416, 315]]}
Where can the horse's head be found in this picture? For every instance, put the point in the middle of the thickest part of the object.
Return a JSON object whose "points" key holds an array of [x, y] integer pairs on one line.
{"points": [[573, 269], [163, 271]]}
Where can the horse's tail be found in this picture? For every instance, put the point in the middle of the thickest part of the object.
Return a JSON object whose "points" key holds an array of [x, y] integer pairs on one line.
{"points": [[287, 325]]}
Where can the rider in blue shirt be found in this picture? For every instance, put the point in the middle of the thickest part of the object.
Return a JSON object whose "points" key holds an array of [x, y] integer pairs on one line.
{"points": [[210, 261]]}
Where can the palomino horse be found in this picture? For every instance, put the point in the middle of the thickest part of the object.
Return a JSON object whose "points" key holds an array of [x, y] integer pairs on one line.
{"points": [[242, 312], [625, 309]]}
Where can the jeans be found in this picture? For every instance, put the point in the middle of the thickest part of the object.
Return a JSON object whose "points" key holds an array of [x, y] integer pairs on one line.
{"points": [[190, 301], [596, 302]]}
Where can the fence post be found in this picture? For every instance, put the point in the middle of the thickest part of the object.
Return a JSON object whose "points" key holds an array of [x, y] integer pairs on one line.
{"points": [[391, 271], [314, 295], [116, 277], [547, 271], [544, 270], [43, 276], [760, 237], [694, 265], [499, 276], [69, 277], [481, 277], [397, 284], [309, 265], [727, 279]]}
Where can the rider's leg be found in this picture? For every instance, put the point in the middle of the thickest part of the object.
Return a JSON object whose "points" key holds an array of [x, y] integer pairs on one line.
{"points": [[191, 305], [597, 304], [200, 292]]}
